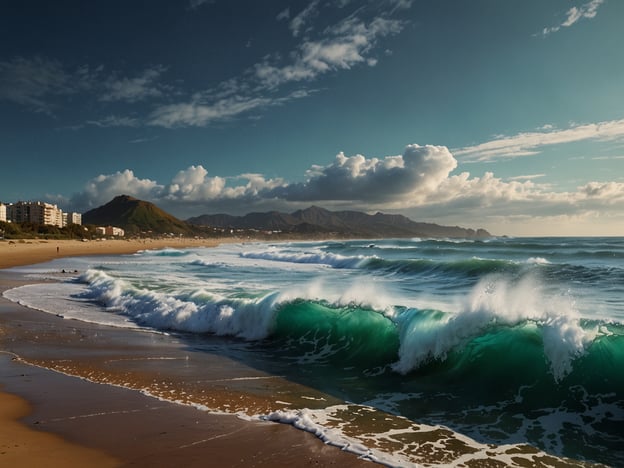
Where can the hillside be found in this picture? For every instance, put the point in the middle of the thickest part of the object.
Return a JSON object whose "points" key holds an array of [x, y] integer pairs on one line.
{"points": [[136, 216], [315, 220]]}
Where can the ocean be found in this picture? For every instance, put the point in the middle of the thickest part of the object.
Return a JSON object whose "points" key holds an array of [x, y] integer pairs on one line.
{"points": [[498, 352]]}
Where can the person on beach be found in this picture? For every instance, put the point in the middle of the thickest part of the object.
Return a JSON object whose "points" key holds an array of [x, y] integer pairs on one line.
{"points": [[57, 249]]}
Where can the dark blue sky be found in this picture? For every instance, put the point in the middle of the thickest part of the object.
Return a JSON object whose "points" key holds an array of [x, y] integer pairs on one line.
{"points": [[507, 115]]}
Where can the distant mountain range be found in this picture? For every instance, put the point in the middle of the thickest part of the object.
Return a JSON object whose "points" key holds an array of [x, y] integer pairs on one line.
{"points": [[138, 216], [315, 220]]}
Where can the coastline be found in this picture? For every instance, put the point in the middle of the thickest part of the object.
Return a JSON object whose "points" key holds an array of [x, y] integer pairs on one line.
{"points": [[32, 251], [110, 425]]}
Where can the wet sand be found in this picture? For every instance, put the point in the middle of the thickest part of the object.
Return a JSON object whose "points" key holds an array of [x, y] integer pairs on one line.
{"points": [[69, 421]]}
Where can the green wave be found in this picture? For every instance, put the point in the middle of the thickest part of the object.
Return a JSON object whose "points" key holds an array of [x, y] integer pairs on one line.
{"points": [[321, 334], [342, 336]]}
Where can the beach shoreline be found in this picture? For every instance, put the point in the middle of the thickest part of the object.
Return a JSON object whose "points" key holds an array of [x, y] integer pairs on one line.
{"points": [[107, 424], [23, 252]]}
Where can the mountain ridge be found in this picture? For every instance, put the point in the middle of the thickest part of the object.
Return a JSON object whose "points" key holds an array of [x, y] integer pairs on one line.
{"points": [[139, 216], [134, 216], [320, 220]]}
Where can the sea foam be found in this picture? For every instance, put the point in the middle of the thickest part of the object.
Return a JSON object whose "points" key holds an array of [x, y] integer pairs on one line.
{"points": [[320, 258], [245, 318], [495, 301]]}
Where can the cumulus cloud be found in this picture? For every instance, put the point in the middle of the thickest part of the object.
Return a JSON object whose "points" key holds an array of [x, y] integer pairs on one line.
{"points": [[103, 188], [420, 182], [529, 143], [575, 14], [419, 171], [193, 184], [611, 193], [188, 189]]}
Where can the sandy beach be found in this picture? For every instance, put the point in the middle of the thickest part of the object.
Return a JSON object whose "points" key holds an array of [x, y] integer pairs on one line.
{"points": [[31, 251], [52, 417]]}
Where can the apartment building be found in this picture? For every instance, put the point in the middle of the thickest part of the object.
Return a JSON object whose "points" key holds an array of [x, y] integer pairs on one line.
{"points": [[3, 212], [72, 218], [110, 231], [39, 213]]}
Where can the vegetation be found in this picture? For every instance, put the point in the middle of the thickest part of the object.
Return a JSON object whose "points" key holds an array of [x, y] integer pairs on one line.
{"points": [[45, 231], [315, 221], [140, 218], [137, 217]]}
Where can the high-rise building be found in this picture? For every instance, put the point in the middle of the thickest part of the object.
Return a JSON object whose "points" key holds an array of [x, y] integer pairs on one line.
{"points": [[39, 213], [3, 212], [35, 212], [73, 218]]}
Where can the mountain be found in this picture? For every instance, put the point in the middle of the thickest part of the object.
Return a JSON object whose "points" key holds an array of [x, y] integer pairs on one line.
{"points": [[318, 221], [135, 216]]}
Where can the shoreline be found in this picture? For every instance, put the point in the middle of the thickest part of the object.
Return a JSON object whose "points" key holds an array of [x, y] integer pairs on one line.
{"points": [[33, 251], [111, 425]]}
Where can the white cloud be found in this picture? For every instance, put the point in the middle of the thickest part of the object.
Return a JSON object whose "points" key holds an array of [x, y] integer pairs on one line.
{"points": [[346, 45], [193, 4], [115, 121], [415, 174], [193, 184], [575, 14], [529, 143], [401, 4], [197, 113], [607, 158], [31, 82], [297, 24], [142, 140], [202, 111], [611, 193], [527, 177], [39, 83], [419, 183], [134, 89], [283, 15], [104, 188]]}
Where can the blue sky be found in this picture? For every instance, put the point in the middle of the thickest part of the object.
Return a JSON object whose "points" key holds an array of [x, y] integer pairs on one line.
{"points": [[507, 115]]}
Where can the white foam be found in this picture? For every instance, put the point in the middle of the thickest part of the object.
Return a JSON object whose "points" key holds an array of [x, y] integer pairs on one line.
{"points": [[319, 258], [537, 261], [61, 299], [411, 443], [315, 422], [245, 318], [495, 300], [364, 292]]}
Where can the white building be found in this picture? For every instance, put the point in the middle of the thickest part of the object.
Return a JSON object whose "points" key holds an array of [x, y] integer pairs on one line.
{"points": [[110, 231], [35, 212], [74, 218], [40, 213], [3, 212], [71, 218]]}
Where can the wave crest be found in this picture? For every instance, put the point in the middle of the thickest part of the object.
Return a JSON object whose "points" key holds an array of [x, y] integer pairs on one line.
{"points": [[320, 258], [495, 302], [198, 313]]}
